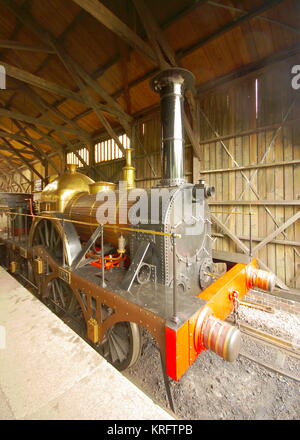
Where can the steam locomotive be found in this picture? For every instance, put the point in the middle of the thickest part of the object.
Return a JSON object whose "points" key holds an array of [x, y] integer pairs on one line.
{"points": [[154, 273]]}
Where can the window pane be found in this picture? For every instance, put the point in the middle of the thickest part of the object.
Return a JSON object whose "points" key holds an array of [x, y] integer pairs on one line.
{"points": [[109, 150]]}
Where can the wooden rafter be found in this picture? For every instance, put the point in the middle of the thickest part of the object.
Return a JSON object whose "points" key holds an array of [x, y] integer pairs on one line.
{"points": [[229, 26], [44, 157], [260, 17], [36, 121], [102, 69], [78, 74], [37, 81], [23, 16], [44, 108], [18, 45], [72, 68], [113, 23], [23, 159], [162, 49]]}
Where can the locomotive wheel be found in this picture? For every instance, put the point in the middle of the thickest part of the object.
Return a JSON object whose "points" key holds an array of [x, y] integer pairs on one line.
{"points": [[59, 296], [58, 238], [61, 301], [122, 345], [47, 235]]}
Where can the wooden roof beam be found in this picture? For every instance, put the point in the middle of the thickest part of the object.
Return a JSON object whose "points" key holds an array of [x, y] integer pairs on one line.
{"points": [[79, 75], [18, 45], [44, 108], [23, 159], [47, 39], [2, 148], [102, 69], [30, 23], [18, 137], [35, 121], [68, 63], [228, 27], [113, 23], [37, 81], [45, 139], [260, 17], [163, 50], [250, 69], [38, 151]]}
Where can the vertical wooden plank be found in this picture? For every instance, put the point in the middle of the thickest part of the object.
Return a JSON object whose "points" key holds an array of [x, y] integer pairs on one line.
{"points": [[279, 176], [289, 211], [231, 174], [296, 148], [269, 117]]}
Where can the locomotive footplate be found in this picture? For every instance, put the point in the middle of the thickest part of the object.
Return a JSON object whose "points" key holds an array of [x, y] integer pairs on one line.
{"points": [[153, 297]]}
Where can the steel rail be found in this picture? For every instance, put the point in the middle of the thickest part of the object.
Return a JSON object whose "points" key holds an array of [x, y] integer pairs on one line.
{"points": [[273, 341], [270, 367]]}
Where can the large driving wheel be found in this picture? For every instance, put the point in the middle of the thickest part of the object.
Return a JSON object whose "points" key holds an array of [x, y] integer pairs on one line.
{"points": [[57, 237], [122, 345], [60, 298]]}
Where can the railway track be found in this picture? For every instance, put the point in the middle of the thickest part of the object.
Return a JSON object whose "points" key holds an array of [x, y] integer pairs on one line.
{"points": [[287, 349], [271, 340]]}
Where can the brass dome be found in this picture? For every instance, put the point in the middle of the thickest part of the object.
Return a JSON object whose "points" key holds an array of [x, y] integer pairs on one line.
{"points": [[61, 190]]}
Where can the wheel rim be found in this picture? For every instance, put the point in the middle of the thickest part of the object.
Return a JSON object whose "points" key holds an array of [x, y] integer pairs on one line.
{"points": [[122, 345], [47, 235]]}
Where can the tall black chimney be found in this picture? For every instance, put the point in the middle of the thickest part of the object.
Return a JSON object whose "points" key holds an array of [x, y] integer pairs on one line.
{"points": [[171, 84]]}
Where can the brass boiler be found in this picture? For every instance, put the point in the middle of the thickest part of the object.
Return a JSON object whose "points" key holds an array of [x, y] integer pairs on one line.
{"points": [[83, 208], [75, 195]]}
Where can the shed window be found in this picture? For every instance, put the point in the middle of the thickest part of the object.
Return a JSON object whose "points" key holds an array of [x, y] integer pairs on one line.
{"points": [[109, 150], [83, 152], [38, 185]]}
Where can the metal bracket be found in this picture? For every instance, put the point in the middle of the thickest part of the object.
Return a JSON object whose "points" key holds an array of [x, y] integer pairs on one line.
{"points": [[23, 252], [86, 248], [64, 275], [135, 265]]}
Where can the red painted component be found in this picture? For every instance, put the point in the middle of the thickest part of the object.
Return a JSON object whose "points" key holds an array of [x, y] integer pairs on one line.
{"points": [[183, 345], [111, 261]]}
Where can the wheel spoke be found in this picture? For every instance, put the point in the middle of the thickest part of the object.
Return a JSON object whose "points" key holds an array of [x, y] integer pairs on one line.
{"points": [[112, 351], [122, 345], [42, 239], [46, 233], [51, 236], [54, 292], [61, 295], [119, 344]]}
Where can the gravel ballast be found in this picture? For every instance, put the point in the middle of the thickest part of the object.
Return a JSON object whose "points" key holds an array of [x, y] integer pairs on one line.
{"points": [[242, 390]]}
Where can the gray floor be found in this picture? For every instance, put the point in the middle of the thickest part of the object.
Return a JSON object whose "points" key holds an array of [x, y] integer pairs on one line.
{"points": [[48, 372]]}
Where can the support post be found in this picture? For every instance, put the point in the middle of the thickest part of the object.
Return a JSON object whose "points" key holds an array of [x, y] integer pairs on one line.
{"points": [[102, 256]]}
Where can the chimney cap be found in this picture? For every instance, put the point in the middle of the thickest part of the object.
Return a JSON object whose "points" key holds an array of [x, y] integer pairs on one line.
{"points": [[172, 75]]}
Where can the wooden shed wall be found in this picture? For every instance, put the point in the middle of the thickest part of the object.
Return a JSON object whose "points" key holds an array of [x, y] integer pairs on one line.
{"points": [[230, 110]]}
